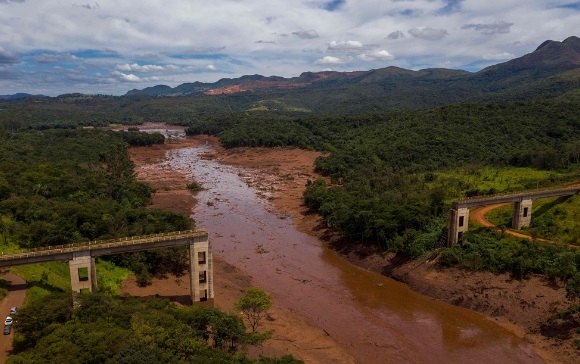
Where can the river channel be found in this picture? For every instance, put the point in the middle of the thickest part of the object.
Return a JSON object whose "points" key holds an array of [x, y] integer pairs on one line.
{"points": [[376, 319]]}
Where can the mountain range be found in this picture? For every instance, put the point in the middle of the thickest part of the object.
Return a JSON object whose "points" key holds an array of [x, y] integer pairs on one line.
{"points": [[551, 70], [18, 96]]}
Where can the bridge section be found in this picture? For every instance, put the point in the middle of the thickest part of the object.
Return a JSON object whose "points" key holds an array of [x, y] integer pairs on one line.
{"points": [[81, 258], [522, 216]]}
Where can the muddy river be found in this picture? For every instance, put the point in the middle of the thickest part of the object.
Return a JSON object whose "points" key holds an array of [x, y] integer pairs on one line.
{"points": [[376, 319]]}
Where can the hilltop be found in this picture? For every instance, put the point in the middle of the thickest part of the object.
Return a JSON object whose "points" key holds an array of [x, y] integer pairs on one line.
{"points": [[551, 70]]}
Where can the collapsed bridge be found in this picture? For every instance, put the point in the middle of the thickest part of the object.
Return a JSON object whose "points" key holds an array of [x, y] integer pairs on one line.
{"points": [[81, 258], [522, 215]]}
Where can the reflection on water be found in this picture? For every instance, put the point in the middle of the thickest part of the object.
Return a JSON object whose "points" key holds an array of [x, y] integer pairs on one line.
{"points": [[374, 318]]}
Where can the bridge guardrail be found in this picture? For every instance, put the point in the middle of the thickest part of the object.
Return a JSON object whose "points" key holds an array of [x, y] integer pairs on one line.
{"points": [[101, 244], [500, 196]]}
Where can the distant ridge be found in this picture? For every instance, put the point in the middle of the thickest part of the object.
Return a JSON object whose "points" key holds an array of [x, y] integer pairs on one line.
{"points": [[531, 74], [18, 96]]}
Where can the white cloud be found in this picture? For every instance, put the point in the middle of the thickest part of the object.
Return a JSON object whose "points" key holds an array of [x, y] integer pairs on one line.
{"points": [[126, 77], [349, 45], [176, 40], [377, 55], [428, 33], [138, 68], [329, 60], [498, 56], [211, 67]]}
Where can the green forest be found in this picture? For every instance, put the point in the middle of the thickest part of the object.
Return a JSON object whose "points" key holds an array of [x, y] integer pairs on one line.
{"points": [[394, 174], [391, 174], [103, 328], [67, 186]]}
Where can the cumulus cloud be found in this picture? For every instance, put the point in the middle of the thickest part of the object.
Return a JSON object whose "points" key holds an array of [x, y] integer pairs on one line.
{"points": [[428, 33], [397, 34], [349, 45], [498, 57], [8, 57], [126, 77], [329, 60], [172, 67], [382, 55], [129, 77], [306, 34], [138, 68], [497, 27], [135, 67], [211, 67]]}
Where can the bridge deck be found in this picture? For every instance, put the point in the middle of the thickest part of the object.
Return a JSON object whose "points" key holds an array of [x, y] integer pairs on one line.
{"points": [[102, 247], [515, 197]]}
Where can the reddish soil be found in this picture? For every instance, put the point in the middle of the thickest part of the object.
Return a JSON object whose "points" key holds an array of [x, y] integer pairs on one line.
{"points": [[292, 333], [522, 306], [14, 298]]}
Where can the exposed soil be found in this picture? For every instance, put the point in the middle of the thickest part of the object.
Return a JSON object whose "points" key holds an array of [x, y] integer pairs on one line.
{"points": [[14, 298], [292, 333], [478, 215], [519, 305]]}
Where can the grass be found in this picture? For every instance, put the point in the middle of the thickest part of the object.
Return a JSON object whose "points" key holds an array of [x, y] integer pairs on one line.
{"points": [[556, 218], [44, 278], [109, 276], [477, 180]]}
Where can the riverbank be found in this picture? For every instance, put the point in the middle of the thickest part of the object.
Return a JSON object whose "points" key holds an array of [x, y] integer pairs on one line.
{"points": [[521, 306], [292, 333], [281, 174]]}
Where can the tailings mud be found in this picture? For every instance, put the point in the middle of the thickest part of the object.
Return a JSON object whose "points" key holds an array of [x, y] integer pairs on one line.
{"points": [[375, 319]]}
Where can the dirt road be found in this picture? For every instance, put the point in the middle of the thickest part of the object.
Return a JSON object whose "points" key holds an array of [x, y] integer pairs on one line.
{"points": [[15, 297], [478, 215]]}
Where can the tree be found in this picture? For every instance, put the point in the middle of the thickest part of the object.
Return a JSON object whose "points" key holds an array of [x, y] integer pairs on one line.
{"points": [[254, 305], [573, 287]]}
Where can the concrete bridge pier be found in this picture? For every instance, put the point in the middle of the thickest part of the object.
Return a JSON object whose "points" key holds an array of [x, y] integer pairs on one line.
{"points": [[458, 223], [83, 272], [201, 270], [522, 213]]}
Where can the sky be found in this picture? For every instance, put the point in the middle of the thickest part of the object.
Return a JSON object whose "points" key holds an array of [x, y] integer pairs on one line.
{"points": [[53, 47]]}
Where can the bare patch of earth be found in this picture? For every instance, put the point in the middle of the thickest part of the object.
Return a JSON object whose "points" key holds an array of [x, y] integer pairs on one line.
{"points": [[281, 173]]}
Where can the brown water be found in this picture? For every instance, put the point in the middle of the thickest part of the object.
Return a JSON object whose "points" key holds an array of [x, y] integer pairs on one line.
{"points": [[376, 319]]}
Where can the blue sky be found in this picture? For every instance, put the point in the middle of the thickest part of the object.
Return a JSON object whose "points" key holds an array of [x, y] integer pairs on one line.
{"points": [[110, 47]]}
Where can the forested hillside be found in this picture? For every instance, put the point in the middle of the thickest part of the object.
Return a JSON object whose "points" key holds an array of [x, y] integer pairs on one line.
{"points": [[103, 328], [60, 187]]}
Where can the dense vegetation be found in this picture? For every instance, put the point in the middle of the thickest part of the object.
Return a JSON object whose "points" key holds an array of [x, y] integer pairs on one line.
{"points": [[394, 174], [102, 328], [68, 186], [394, 162]]}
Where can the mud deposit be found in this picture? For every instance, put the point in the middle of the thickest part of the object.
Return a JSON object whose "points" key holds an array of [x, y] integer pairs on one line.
{"points": [[375, 319]]}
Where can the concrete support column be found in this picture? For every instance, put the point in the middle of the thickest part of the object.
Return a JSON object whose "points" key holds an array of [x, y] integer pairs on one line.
{"points": [[458, 224], [522, 213], [201, 270], [83, 274]]}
